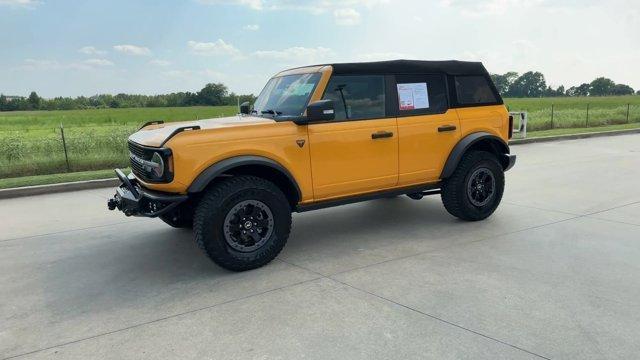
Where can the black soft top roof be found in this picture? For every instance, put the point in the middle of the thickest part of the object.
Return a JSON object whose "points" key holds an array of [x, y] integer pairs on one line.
{"points": [[452, 67]]}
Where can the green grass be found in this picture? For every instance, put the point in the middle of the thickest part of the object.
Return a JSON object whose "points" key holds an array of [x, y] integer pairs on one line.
{"points": [[55, 178], [572, 112], [25, 121], [569, 131], [95, 138]]}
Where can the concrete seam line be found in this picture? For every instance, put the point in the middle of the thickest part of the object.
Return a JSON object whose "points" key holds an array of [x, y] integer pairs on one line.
{"points": [[162, 319], [442, 320], [57, 188], [573, 136], [330, 277], [454, 245]]}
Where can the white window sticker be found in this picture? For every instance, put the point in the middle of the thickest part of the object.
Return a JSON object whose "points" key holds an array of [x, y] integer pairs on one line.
{"points": [[413, 96]]}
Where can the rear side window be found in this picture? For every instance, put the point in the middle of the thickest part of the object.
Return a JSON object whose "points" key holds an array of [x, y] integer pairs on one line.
{"points": [[421, 94], [356, 96], [474, 90]]}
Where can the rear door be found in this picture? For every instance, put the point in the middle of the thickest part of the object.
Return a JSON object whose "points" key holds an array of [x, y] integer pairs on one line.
{"points": [[427, 128], [358, 151]]}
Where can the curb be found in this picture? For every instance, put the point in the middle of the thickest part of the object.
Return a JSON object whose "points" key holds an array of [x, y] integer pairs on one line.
{"points": [[57, 188], [102, 183], [573, 136]]}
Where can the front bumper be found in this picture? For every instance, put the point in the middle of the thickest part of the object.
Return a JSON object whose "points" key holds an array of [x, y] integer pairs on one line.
{"points": [[134, 200]]}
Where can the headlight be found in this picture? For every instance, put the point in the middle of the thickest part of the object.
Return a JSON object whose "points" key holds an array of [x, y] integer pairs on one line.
{"points": [[157, 165]]}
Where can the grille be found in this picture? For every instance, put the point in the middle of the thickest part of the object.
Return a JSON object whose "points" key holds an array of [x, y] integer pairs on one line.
{"points": [[142, 153]]}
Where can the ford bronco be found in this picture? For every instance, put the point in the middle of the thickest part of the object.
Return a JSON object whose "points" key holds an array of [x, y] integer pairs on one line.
{"points": [[321, 136]]}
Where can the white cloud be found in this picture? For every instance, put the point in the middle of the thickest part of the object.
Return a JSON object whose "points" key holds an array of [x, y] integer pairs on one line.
{"points": [[252, 27], [199, 75], [253, 4], [346, 17], [40, 64], [54, 65], [474, 8], [380, 56], [133, 50], [218, 47], [20, 3], [296, 54], [317, 7], [90, 50], [98, 62], [160, 62]]}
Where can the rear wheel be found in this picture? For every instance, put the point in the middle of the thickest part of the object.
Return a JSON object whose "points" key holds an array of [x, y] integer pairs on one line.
{"points": [[474, 190], [242, 222]]}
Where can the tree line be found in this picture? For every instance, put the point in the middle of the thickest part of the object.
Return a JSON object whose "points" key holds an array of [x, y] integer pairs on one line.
{"points": [[511, 84], [533, 84], [213, 94]]}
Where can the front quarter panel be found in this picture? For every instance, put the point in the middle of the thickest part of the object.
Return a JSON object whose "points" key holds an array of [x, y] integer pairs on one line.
{"points": [[195, 151]]}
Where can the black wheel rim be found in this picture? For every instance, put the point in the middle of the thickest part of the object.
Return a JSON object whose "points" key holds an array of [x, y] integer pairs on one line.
{"points": [[248, 225], [481, 187]]}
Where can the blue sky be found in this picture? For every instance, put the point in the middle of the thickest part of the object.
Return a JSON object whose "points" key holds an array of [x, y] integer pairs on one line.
{"points": [[70, 48]]}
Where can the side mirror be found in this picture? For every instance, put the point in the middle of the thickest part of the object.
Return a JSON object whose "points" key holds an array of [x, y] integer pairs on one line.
{"points": [[245, 107], [321, 110]]}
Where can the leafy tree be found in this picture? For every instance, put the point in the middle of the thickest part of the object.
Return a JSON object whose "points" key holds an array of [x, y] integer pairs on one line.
{"points": [[212, 94], [503, 82], [582, 90], [622, 89], [601, 87], [529, 84], [34, 101]]}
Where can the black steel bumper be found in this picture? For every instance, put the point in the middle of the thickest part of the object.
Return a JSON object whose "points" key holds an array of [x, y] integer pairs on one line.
{"points": [[134, 200], [510, 160]]}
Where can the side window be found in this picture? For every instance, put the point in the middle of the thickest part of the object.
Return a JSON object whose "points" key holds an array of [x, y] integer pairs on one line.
{"points": [[474, 90], [421, 94], [356, 96]]}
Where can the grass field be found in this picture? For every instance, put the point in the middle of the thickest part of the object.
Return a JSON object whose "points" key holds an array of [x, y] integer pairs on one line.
{"points": [[95, 138], [572, 112]]}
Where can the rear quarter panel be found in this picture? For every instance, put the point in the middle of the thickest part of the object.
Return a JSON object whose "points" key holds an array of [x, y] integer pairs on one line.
{"points": [[493, 119]]}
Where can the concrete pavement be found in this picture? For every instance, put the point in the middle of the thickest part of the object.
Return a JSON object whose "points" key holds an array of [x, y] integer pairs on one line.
{"points": [[554, 273]]}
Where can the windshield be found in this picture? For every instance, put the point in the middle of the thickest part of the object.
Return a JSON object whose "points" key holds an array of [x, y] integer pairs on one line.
{"points": [[286, 95]]}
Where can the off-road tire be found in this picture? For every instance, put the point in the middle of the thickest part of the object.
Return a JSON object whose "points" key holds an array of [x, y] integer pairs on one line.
{"points": [[209, 218], [454, 189]]}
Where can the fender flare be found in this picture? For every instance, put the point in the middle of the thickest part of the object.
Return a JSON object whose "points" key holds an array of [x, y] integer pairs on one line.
{"points": [[499, 145], [219, 168]]}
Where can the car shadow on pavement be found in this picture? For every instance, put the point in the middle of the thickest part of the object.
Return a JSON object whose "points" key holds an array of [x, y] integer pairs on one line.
{"points": [[125, 267]]}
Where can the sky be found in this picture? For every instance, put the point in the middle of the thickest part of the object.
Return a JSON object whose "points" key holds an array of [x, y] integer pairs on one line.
{"points": [[72, 48]]}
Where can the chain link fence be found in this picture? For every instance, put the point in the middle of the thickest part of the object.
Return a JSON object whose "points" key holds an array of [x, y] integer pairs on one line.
{"points": [[79, 148], [63, 150], [564, 116]]}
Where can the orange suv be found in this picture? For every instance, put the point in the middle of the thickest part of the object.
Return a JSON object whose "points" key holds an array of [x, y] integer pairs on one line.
{"points": [[321, 136]]}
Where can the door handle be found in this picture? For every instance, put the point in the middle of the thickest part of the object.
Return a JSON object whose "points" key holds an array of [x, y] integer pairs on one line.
{"points": [[444, 128], [381, 135]]}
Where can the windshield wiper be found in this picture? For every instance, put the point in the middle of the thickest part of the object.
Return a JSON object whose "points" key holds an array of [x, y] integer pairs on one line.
{"points": [[271, 111]]}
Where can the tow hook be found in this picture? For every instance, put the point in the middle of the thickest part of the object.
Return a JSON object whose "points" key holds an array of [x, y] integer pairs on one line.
{"points": [[112, 204]]}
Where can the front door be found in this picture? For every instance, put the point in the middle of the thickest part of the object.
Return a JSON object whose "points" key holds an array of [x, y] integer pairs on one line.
{"points": [[357, 152]]}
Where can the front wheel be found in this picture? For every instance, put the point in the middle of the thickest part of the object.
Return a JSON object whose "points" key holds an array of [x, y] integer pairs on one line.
{"points": [[242, 222], [474, 190]]}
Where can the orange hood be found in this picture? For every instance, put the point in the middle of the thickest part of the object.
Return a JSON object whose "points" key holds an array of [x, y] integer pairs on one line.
{"points": [[156, 135]]}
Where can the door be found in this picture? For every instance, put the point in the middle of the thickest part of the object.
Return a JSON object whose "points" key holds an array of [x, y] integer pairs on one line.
{"points": [[427, 129], [357, 152]]}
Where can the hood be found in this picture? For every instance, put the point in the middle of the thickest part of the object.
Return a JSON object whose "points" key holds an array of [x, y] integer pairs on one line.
{"points": [[156, 135]]}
